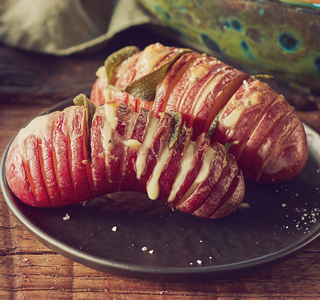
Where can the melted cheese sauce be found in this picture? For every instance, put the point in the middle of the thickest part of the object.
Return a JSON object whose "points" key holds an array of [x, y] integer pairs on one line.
{"points": [[101, 72], [153, 189], [142, 155], [109, 112], [131, 126], [149, 57], [231, 120], [106, 93], [204, 171], [37, 127], [198, 72], [204, 94], [133, 144], [248, 100], [186, 165], [203, 174], [69, 114]]}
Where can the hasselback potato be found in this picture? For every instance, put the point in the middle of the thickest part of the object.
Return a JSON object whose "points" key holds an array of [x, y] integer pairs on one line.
{"points": [[83, 152], [214, 98]]}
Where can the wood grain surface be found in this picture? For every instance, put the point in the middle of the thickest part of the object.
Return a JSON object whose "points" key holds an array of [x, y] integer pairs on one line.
{"points": [[31, 82]]}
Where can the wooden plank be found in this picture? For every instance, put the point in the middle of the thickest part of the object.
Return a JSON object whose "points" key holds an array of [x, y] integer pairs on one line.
{"points": [[52, 272], [34, 78]]}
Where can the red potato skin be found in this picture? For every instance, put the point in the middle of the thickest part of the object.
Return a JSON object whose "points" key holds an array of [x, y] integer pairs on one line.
{"points": [[99, 172], [204, 189], [229, 203], [16, 175], [227, 84], [48, 171], [134, 102], [96, 93], [173, 51], [176, 93], [116, 153], [186, 107], [202, 145], [61, 158], [123, 81], [211, 205], [289, 153], [46, 160], [33, 164], [168, 174], [276, 137], [175, 73], [267, 123], [182, 88], [34, 148], [78, 170], [250, 117], [68, 135], [129, 179], [160, 140]]}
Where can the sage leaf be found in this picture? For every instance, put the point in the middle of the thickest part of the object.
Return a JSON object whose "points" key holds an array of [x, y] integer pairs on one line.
{"points": [[228, 145], [90, 108], [214, 124], [116, 58], [177, 120], [261, 76], [144, 88]]}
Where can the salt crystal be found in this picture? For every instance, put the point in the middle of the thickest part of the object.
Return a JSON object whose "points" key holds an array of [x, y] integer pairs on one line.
{"points": [[244, 205], [66, 217], [114, 228], [144, 248]]}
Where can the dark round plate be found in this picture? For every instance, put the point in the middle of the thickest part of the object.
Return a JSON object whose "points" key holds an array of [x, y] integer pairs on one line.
{"points": [[150, 241]]}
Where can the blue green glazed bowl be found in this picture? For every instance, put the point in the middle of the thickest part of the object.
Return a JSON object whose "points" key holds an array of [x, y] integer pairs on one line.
{"points": [[281, 38]]}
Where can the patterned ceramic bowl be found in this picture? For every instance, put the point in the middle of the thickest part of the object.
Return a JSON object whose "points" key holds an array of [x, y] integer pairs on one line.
{"points": [[281, 38]]}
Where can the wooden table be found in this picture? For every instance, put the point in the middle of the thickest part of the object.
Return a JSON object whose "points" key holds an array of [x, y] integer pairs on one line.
{"points": [[32, 82]]}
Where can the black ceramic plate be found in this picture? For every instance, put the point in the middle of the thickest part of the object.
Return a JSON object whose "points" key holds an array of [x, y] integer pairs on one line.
{"points": [[129, 235]]}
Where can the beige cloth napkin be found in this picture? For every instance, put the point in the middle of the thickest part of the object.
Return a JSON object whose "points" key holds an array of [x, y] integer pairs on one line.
{"points": [[63, 27]]}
